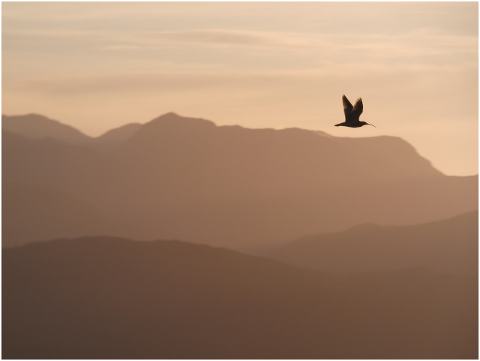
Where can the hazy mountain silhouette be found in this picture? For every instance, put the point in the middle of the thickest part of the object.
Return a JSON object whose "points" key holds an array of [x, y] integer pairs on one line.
{"points": [[449, 246], [37, 126], [35, 212], [114, 298], [115, 136], [187, 178]]}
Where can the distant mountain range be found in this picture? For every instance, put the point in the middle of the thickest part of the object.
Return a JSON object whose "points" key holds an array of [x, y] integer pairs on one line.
{"points": [[36, 126], [390, 269], [95, 298], [250, 189], [448, 246]]}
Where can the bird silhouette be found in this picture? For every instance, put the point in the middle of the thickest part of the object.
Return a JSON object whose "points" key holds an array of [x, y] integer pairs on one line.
{"points": [[352, 114]]}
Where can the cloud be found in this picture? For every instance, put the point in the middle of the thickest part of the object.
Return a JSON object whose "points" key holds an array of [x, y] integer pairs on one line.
{"points": [[70, 41], [417, 47], [119, 47], [423, 46], [63, 12], [216, 36], [248, 81]]}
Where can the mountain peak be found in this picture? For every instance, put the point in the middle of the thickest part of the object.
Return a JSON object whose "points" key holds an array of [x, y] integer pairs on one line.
{"points": [[29, 118], [37, 126], [172, 122], [170, 115], [174, 118]]}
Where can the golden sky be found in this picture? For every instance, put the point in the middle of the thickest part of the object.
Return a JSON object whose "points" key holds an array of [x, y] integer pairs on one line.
{"points": [[97, 66]]}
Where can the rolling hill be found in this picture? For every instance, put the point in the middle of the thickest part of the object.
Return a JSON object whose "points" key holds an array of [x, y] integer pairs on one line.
{"points": [[114, 298], [448, 246]]}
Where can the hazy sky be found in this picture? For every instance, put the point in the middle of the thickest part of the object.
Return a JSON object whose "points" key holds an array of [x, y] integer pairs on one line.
{"points": [[97, 66]]}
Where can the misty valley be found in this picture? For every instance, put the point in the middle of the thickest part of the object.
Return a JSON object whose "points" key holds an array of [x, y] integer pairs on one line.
{"points": [[179, 238]]}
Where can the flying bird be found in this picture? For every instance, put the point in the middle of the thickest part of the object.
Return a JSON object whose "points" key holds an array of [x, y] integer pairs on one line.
{"points": [[352, 114]]}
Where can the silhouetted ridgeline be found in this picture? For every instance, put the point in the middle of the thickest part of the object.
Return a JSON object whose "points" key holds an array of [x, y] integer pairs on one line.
{"points": [[36, 126], [189, 179], [115, 298], [448, 246]]}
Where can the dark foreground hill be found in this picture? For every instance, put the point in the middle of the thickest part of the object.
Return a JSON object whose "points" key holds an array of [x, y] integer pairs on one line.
{"points": [[449, 246], [186, 178], [114, 298]]}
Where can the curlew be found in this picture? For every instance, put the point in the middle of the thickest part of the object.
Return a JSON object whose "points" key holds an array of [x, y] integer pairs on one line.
{"points": [[352, 114]]}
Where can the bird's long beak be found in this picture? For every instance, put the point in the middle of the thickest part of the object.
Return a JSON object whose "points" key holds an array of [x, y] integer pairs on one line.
{"points": [[371, 124]]}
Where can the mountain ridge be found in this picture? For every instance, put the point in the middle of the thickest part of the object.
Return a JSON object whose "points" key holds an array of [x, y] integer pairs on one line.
{"points": [[104, 297], [38, 126], [169, 121], [242, 187], [449, 246]]}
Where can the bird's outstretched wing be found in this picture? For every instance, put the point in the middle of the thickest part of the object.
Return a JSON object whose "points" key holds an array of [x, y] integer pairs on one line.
{"points": [[357, 109], [347, 107]]}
